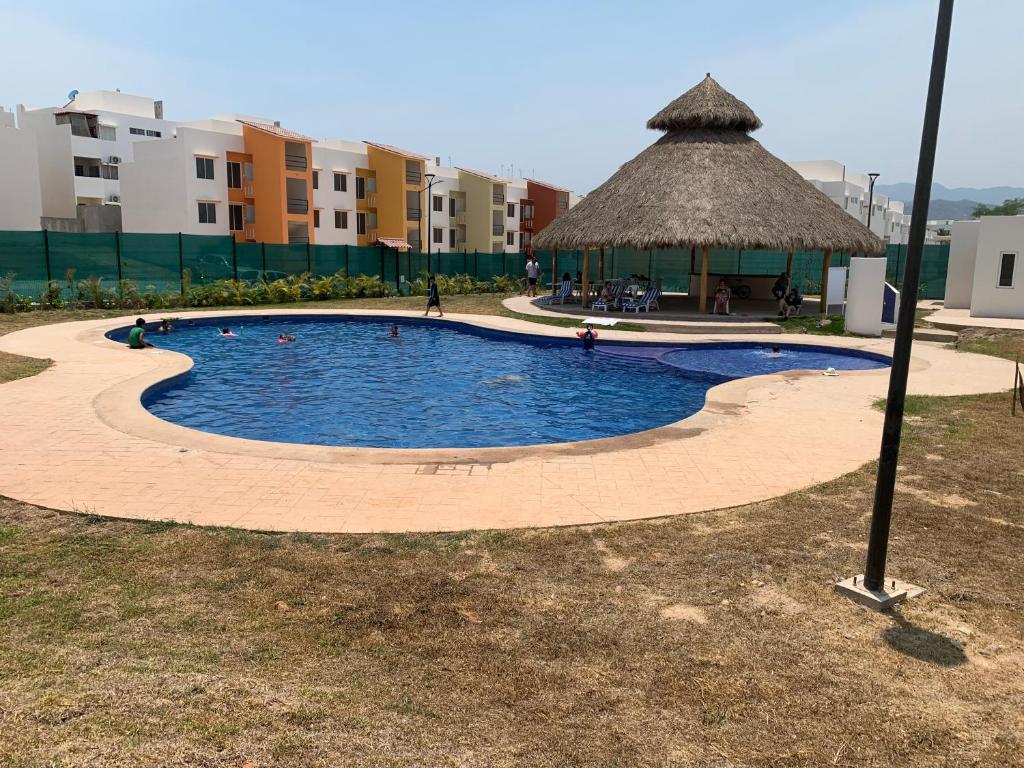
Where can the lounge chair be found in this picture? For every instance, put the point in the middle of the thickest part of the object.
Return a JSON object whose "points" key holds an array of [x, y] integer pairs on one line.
{"points": [[618, 288], [645, 302], [563, 294]]}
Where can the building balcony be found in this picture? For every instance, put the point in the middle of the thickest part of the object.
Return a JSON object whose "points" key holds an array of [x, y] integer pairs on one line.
{"points": [[414, 214], [249, 232], [460, 218], [295, 163], [248, 189], [526, 225], [498, 199], [298, 205], [497, 230], [413, 177]]}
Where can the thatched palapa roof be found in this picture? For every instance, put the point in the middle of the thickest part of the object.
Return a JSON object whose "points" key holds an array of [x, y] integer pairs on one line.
{"points": [[707, 183]]}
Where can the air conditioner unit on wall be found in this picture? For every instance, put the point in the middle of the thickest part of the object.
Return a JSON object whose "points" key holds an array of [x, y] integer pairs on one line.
{"points": [[113, 159], [114, 199]]}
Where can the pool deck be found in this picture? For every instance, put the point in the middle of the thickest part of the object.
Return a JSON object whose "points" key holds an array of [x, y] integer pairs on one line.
{"points": [[76, 437]]}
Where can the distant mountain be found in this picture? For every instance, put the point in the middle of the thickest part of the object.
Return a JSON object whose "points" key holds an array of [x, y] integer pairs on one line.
{"points": [[948, 209], [988, 195]]}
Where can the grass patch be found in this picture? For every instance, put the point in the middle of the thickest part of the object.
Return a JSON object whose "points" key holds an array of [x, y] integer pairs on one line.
{"points": [[986, 341], [836, 325]]}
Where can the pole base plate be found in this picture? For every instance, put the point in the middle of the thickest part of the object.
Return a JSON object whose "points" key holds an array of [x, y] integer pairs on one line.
{"points": [[894, 591]]}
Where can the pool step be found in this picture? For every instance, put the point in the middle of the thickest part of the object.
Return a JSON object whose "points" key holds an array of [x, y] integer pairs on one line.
{"points": [[925, 334], [711, 328]]}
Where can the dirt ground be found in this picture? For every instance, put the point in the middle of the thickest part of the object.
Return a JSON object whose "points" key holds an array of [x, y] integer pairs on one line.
{"points": [[711, 639]]}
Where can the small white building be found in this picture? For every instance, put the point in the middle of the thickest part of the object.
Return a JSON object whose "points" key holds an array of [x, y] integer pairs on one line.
{"points": [[440, 217], [851, 192], [334, 190], [20, 197], [81, 146], [985, 270]]}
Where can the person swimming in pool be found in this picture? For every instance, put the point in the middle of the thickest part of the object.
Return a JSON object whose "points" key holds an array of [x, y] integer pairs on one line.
{"points": [[394, 331], [588, 336], [227, 332], [284, 338], [165, 325]]}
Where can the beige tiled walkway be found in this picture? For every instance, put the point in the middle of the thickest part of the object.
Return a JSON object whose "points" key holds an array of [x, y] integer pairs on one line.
{"points": [[77, 438]]}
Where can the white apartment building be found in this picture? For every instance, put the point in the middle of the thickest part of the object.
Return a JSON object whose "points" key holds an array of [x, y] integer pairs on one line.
{"points": [[81, 146], [334, 190], [20, 195], [515, 192], [441, 222], [851, 192]]}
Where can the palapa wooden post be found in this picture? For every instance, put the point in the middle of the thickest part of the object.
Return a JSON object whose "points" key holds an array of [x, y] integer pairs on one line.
{"points": [[789, 264], [600, 268], [585, 283], [703, 279], [554, 271], [826, 262]]}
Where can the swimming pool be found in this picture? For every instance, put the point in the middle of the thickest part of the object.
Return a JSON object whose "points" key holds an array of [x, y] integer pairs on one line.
{"points": [[346, 382]]}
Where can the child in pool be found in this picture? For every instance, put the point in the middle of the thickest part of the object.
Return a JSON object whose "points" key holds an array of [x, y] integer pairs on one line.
{"points": [[588, 336], [284, 338], [226, 332], [394, 331]]}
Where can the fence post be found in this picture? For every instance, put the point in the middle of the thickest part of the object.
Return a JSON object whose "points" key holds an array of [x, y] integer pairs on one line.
{"points": [[234, 258], [46, 256], [465, 260], [181, 266], [348, 271], [263, 262], [117, 251], [381, 249], [309, 259]]}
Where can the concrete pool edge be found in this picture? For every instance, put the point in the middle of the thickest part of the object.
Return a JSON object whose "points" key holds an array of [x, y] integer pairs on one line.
{"points": [[60, 453], [121, 406]]}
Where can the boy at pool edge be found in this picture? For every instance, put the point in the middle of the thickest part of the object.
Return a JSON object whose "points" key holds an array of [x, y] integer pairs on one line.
{"points": [[137, 336]]}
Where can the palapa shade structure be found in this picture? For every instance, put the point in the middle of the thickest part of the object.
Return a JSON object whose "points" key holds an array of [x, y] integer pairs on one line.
{"points": [[707, 184]]}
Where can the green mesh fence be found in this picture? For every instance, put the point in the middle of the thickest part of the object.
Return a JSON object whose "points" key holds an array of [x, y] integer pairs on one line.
{"points": [[156, 261]]}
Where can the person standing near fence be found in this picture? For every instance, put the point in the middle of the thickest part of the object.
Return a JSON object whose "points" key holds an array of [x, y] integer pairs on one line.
{"points": [[532, 273]]}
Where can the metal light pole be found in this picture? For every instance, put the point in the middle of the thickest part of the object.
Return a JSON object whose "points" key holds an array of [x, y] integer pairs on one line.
{"points": [[430, 177], [871, 194], [872, 590]]}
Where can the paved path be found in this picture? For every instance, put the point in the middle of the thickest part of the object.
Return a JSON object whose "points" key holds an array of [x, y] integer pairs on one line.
{"points": [[77, 438]]}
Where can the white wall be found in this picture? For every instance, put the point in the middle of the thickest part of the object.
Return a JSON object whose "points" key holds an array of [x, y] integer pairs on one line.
{"points": [[821, 170], [329, 158], [960, 272], [161, 190], [515, 192], [446, 181], [998, 234], [20, 196]]}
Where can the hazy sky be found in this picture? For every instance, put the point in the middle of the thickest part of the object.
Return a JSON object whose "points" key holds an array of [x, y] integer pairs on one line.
{"points": [[560, 89]]}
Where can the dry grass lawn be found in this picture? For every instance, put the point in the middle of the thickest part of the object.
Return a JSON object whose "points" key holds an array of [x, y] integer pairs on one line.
{"points": [[706, 640]]}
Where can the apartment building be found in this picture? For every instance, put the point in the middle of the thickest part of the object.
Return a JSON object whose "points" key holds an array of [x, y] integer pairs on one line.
{"points": [[110, 161], [851, 192], [232, 175], [485, 210], [79, 150], [549, 202], [20, 195]]}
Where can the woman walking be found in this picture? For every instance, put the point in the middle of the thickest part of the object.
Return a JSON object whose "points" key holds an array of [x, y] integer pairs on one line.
{"points": [[433, 297]]}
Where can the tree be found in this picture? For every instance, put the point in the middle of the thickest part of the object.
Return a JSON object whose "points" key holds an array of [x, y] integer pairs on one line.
{"points": [[1012, 207]]}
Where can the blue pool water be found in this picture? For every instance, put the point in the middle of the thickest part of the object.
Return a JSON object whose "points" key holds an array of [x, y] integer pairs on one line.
{"points": [[345, 381]]}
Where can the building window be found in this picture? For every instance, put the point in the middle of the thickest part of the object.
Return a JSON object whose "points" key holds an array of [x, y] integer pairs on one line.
{"points": [[341, 219], [247, 171], [316, 218], [451, 207], [360, 223], [360, 187], [234, 175], [136, 132], [341, 182], [204, 168], [511, 210], [250, 214], [154, 134], [234, 218], [207, 213], [316, 179], [108, 133], [1006, 264], [451, 239], [438, 204], [510, 238], [438, 235]]}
